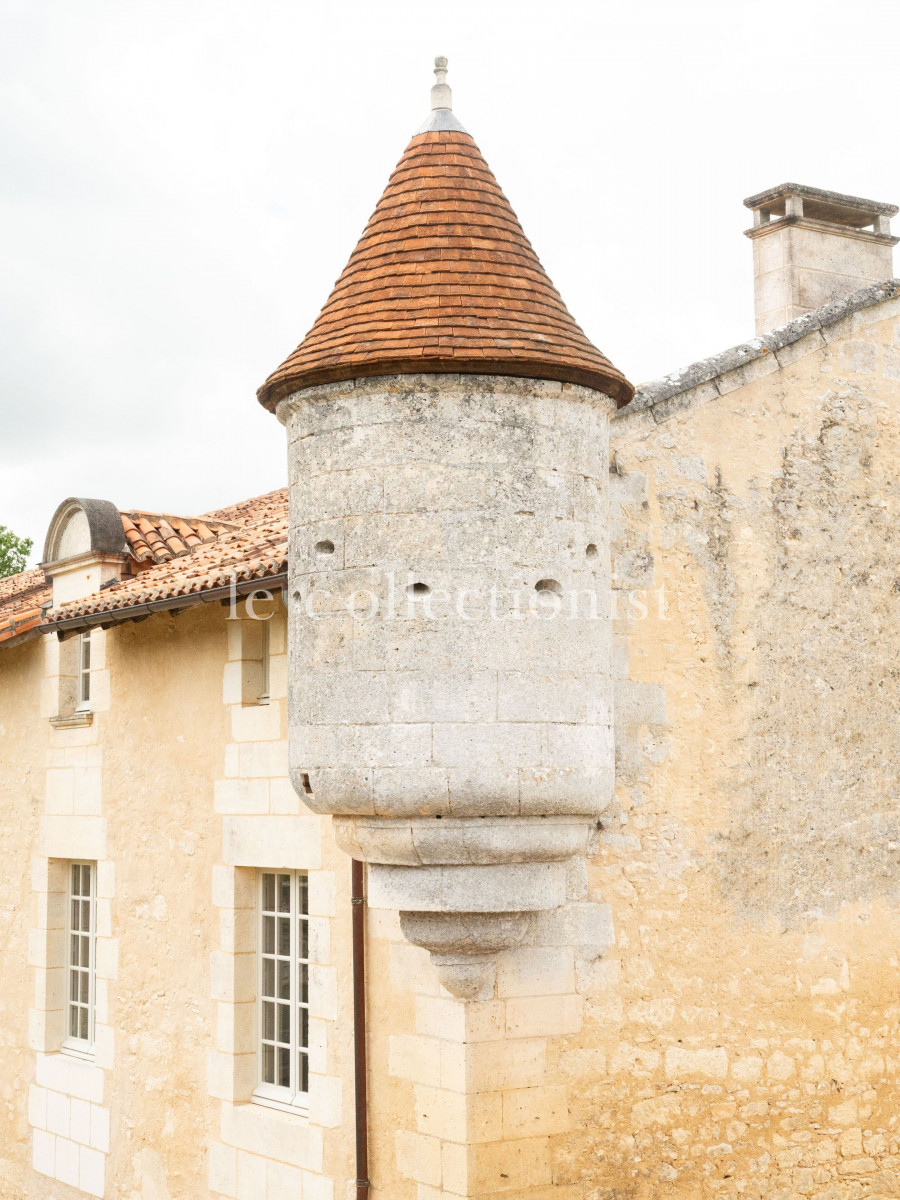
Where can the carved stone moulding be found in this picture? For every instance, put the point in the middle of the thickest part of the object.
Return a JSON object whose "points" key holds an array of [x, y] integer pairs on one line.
{"points": [[466, 888]]}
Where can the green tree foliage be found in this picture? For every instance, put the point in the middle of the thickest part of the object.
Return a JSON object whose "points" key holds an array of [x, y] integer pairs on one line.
{"points": [[14, 552]]}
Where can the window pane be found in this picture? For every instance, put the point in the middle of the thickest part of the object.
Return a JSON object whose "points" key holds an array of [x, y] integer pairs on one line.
{"points": [[303, 1063], [268, 977], [304, 940], [304, 1027], [85, 915], [303, 971], [303, 890], [85, 980], [76, 879], [284, 980], [73, 985], [85, 880], [284, 1066], [284, 936], [268, 935], [284, 893], [284, 1024], [76, 914], [84, 1024], [73, 1022], [268, 893], [268, 1064], [73, 950], [268, 1021]]}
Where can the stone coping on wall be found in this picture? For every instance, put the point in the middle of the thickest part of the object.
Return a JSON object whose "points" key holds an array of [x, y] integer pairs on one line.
{"points": [[702, 381]]}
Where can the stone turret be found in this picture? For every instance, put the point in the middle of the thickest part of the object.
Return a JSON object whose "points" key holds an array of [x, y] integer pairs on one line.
{"points": [[450, 695]]}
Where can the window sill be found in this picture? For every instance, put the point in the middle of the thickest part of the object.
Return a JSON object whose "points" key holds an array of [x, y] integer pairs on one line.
{"points": [[82, 716], [78, 1050], [297, 1109]]}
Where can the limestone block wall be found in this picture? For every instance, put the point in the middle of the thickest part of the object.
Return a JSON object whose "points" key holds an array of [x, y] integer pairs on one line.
{"points": [[473, 1098], [22, 798], [68, 1104], [176, 787], [744, 1041], [256, 1150]]}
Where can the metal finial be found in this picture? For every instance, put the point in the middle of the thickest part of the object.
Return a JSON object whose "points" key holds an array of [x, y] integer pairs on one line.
{"points": [[441, 96]]}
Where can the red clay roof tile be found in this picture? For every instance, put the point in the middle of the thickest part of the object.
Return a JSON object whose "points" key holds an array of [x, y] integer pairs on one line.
{"points": [[444, 243]]}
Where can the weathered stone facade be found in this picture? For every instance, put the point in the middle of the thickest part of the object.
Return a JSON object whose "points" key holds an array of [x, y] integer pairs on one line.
{"points": [[607, 703]]}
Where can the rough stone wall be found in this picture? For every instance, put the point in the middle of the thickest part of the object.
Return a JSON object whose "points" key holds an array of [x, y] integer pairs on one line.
{"points": [[743, 1036], [179, 790], [21, 801]]}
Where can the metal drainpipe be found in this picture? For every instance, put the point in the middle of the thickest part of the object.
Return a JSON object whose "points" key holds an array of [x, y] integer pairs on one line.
{"points": [[357, 900]]}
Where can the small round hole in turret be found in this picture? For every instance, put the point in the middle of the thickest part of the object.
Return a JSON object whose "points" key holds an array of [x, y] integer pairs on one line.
{"points": [[417, 590], [549, 585], [591, 551], [324, 548]]}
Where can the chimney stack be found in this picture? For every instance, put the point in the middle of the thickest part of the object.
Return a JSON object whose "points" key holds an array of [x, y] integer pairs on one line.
{"points": [[812, 246]]}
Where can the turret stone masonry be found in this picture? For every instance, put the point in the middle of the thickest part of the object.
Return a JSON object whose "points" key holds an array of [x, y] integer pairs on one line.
{"points": [[450, 686], [451, 692], [465, 699]]}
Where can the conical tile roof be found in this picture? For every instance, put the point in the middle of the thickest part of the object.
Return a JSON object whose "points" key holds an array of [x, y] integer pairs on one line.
{"points": [[444, 280]]}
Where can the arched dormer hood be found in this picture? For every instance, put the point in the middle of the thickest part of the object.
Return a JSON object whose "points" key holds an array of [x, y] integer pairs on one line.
{"points": [[84, 526], [84, 549]]}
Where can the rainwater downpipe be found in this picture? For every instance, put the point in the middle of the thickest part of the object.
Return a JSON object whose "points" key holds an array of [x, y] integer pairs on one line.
{"points": [[360, 1068]]}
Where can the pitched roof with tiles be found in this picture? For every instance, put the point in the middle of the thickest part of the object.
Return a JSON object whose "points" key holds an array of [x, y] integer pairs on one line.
{"points": [[250, 543], [444, 280], [170, 557]]}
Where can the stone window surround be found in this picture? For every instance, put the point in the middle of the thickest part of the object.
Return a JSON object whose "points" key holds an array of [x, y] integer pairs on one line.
{"points": [[294, 1099], [74, 1043], [68, 1119]]}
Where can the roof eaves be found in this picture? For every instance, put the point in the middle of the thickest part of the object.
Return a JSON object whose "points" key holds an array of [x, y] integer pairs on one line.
{"points": [[137, 612]]}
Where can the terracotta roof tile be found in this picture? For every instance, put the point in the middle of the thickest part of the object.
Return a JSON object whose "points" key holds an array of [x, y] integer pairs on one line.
{"points": [[444, 244], [21, 598]]}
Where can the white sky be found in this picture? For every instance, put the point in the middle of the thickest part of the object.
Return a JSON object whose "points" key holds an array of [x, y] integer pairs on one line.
{"points": [[181, 183]]}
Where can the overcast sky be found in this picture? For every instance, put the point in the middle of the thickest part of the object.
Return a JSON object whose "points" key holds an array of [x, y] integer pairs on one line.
{"points": [[182, 182]]}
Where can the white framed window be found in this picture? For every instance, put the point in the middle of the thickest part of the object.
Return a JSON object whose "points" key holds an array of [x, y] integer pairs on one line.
{"points": [[283, 1016], [83, 679], [81, 960]]}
